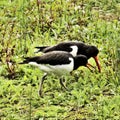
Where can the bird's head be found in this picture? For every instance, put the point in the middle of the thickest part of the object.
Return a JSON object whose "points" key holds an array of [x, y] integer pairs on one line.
{"points": [[93, 51]]}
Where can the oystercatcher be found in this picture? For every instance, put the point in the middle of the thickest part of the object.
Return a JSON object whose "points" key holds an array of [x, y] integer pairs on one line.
{"points": [[58, 62], [75, 48]]}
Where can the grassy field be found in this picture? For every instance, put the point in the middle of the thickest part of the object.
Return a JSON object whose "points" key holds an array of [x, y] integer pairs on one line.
{"points": [[25, 24]]}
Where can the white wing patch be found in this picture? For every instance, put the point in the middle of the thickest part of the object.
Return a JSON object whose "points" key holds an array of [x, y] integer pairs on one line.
{"points": [[74, 50]]}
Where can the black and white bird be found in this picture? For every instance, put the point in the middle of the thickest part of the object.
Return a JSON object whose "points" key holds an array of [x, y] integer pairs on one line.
{"points": [[58, 62], [74, 48]]}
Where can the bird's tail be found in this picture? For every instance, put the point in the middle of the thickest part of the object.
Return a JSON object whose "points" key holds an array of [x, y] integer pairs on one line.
{"points": [[26, 60], [40, 48]]}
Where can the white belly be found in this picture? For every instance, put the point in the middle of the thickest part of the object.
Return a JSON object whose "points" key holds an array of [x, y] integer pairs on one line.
{"points": [[56, 69]]}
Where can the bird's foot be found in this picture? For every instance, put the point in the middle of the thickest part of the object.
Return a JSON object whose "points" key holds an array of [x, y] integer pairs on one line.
{"points": [[61, 82], [40, 93]]}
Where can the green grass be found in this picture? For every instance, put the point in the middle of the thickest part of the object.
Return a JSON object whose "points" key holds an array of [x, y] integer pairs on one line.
{"points": [[25, 24]]}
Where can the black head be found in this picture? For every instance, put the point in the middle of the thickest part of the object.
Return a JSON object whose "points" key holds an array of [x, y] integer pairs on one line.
{"points": [[92, 51], [80, 60]]}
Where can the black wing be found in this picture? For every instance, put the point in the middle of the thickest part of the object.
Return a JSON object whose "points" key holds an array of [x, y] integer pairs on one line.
{"points": [[66, 46], [63, 46], [41, 48], [52, 58]]}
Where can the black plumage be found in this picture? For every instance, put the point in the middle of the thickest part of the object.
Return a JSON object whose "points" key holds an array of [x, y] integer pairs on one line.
{"points": [[51, 58], [87, 50], [57, 58], [57, 62]]}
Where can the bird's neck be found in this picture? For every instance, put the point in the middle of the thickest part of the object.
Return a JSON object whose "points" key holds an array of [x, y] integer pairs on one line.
{"points": [[76, 63]]}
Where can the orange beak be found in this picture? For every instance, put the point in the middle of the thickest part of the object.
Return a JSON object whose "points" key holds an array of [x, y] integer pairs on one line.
{"points": [[97, 63]]}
